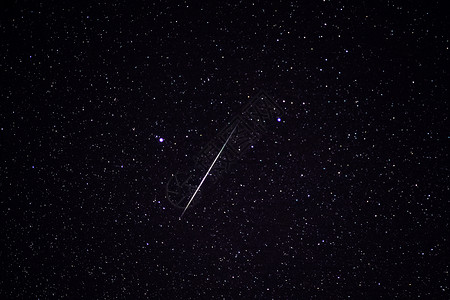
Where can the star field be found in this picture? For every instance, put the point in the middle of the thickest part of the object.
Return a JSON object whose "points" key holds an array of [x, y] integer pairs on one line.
{"points": [[345, 196]]}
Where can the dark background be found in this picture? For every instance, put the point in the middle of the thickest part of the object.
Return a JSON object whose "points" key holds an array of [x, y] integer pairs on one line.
{"points": [[345, 197]]}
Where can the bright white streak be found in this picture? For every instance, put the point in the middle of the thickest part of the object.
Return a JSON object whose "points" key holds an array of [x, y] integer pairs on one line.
{"points": [[212, 165]]}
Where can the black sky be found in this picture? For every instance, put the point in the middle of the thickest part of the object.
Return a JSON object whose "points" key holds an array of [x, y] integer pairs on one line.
{"points": [[344, 197]]}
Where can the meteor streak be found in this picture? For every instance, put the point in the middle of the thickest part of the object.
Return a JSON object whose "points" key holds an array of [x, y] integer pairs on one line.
{"points": [[212, 165]]}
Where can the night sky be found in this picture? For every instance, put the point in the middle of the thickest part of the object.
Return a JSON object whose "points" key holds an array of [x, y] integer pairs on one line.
{"points": [[345, 196]]}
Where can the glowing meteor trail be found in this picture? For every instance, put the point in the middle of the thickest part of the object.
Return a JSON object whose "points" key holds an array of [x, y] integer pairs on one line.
{"points": [[212, 165]]}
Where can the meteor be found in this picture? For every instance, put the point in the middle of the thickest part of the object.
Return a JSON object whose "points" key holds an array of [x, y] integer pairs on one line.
{"points": [[212, 165]]}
